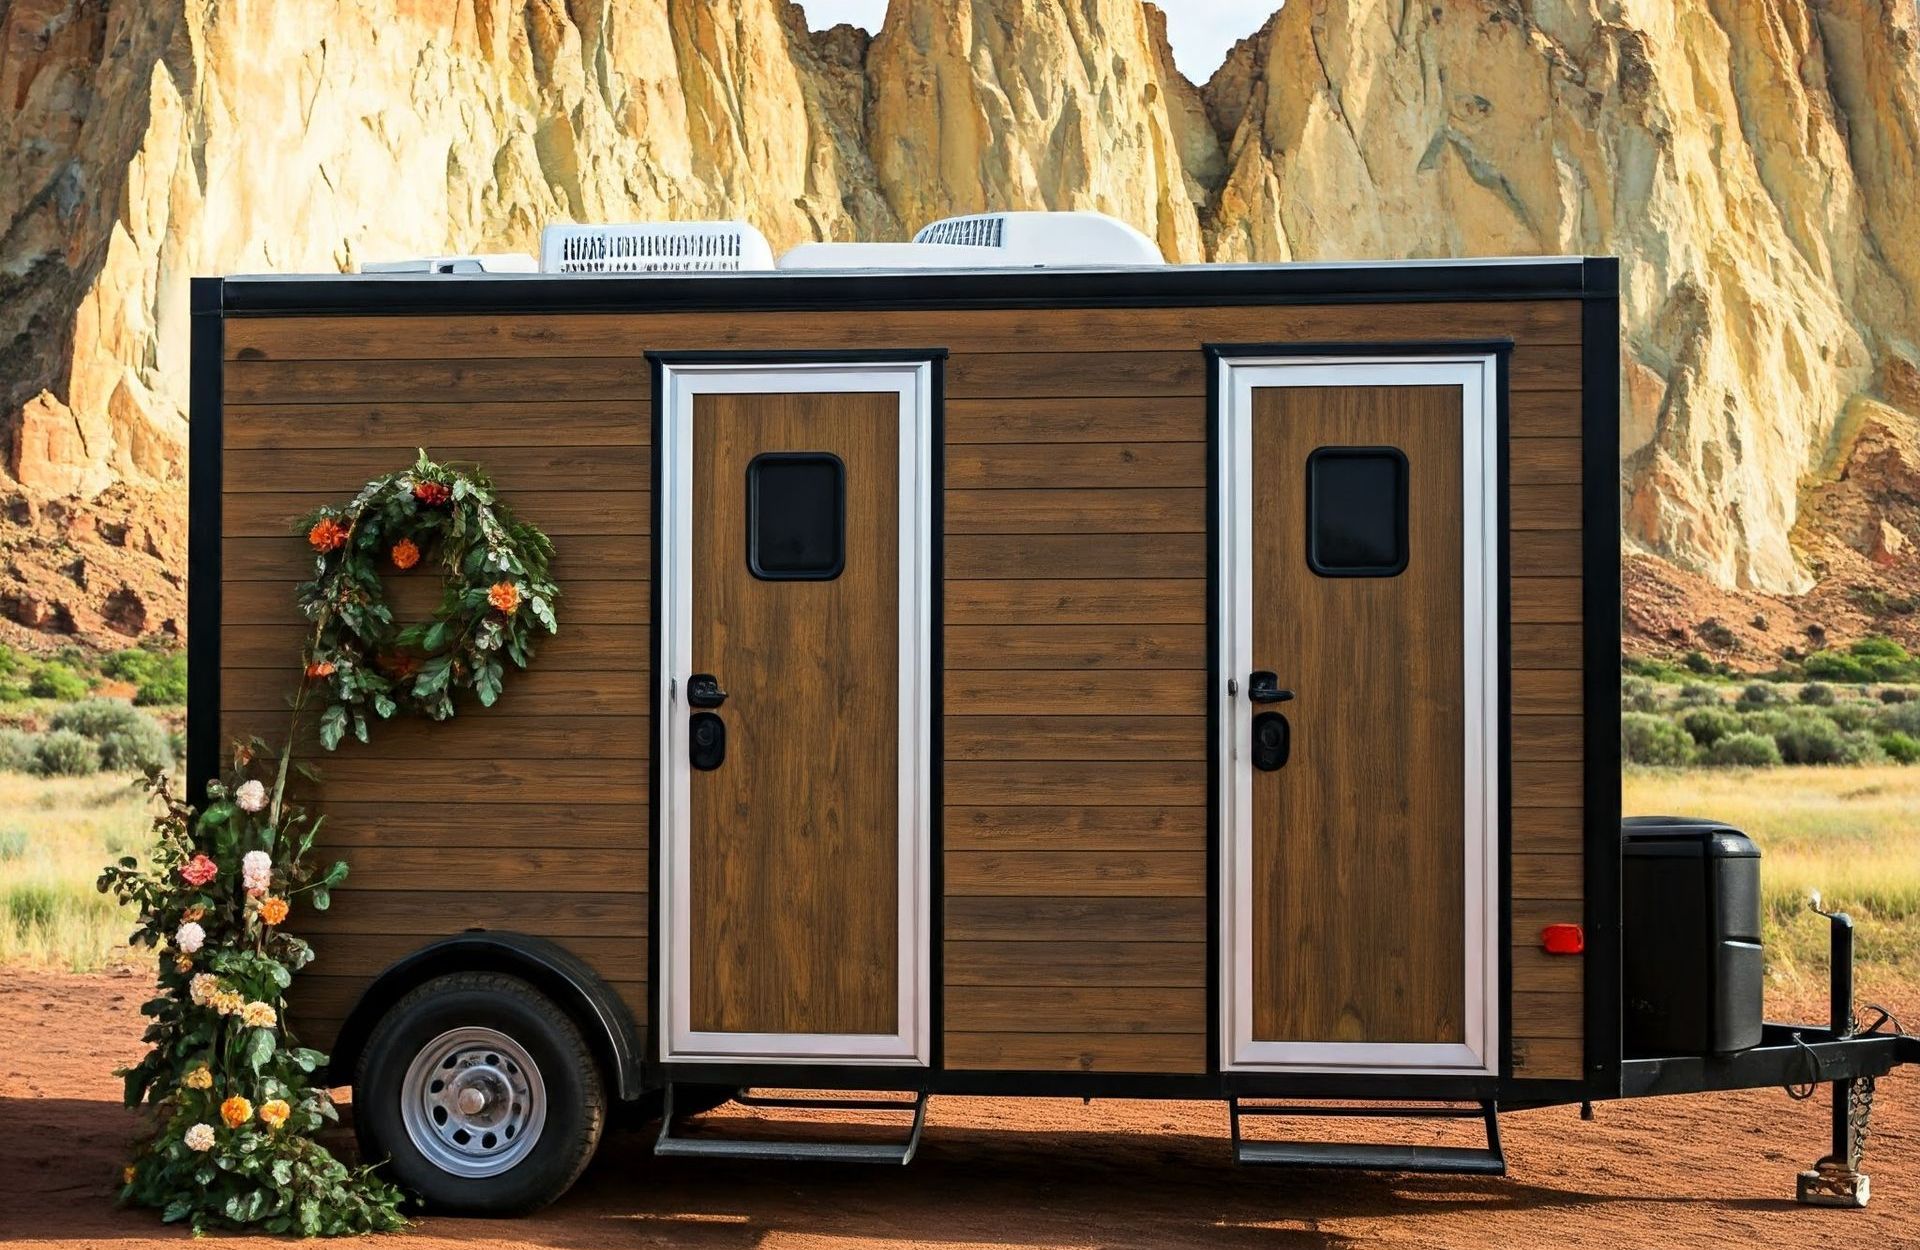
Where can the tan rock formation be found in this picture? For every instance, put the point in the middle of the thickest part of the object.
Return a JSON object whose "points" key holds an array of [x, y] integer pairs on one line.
{"points": [[985, 104], [1756, 163]]}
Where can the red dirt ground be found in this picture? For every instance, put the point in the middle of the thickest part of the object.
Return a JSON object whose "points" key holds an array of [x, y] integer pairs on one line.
{"points": [[1697, 1172]]}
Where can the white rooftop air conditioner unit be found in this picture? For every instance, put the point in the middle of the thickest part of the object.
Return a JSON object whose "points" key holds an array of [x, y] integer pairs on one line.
{"points": [[497, 262], [655, 247], [1067, 240]]}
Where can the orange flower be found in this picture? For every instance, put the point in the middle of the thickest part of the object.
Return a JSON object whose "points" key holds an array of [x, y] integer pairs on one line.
{"points": [[327, 534], [504, 596], [274, 910], [432, 493], [405, 553], [127, 1174], [236, 1111], [319, 669], [273, 1112]]}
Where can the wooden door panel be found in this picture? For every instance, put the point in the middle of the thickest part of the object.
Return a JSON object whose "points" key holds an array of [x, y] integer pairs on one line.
{"points": [[1358, 856], [793, 847]]}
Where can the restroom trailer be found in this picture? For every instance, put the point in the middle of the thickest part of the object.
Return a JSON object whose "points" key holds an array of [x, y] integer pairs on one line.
{"points": [[1189, 682]]}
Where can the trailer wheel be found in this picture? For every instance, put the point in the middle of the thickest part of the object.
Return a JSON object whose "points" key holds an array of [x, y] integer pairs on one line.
{"points": [[482, 1093]]}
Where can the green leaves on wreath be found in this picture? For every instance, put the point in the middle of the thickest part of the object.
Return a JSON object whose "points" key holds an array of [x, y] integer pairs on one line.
{"points": [[497, 594]]}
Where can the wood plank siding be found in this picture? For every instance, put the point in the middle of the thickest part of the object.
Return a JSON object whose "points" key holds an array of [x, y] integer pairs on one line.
{"points": [[531, 816], [1074, 834]]}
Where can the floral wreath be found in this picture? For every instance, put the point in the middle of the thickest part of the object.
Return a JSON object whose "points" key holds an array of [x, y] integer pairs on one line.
{"points": [[497, 594]]}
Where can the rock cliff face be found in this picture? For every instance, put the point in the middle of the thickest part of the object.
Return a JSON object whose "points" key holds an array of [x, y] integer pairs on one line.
{"points": [[1756, 164]]}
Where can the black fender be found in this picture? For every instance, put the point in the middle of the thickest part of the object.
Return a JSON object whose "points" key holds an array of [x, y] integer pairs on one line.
{"points": [[549, 967]]}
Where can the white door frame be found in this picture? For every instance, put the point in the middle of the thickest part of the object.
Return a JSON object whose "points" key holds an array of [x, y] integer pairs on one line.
{"points": [[1477, 376], [913, 383]]}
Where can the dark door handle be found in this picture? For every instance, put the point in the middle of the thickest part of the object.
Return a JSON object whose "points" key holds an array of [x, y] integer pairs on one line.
{"points": [[1264, 687], [703, 690]]}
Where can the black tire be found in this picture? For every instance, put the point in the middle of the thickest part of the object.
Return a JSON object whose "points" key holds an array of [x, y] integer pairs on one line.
{"points": [[574, 1102]]}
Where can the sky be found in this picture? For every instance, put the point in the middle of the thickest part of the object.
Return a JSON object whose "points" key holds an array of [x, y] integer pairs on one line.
{"points": [[1201, 30]]}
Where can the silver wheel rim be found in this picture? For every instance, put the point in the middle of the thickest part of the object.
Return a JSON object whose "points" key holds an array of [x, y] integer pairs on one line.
{"points": [[473, 1102]]}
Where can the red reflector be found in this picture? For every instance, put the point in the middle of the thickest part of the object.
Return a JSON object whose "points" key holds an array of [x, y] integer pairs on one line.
{"points": [[1563, 939]]}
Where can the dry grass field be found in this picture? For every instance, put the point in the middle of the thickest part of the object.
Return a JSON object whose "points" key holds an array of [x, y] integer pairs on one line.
{"points": [[55, 833]]}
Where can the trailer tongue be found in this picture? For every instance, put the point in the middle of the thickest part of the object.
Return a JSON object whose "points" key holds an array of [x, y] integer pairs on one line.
{"points": [[1800, 1058]]}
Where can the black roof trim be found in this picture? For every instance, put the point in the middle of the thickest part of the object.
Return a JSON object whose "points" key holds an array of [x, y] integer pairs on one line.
{"points": [[804, 290]]}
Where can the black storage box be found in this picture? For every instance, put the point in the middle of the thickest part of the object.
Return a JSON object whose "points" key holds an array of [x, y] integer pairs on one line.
{"points": [[1690, 930]]}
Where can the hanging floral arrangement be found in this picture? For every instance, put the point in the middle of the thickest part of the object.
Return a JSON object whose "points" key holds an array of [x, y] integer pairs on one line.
{"points": [[497, 600], [235, 1099]]}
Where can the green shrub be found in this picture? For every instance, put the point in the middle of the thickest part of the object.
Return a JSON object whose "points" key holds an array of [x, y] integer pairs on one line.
{"points": [[1811, 740], [1744, 750], [1870, 659], [33, 905], [1861, 747], [13, 844], [1636, 695], [1816, 694], [54, 680], [1699, 694], [1849, 716], [1759, 694], [1707, 725], [1772, 722], [129, 740], [159, 674], [1901, 718], [16, 751], [64, 753], [1901, 748], [1647, 739]]}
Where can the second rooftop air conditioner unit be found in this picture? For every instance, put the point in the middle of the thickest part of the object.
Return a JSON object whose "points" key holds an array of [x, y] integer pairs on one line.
{"points": [[655, 247]]}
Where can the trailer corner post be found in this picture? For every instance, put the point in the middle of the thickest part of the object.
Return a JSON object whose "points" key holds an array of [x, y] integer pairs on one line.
{"points": [[205, 445], [1836, 1180]]}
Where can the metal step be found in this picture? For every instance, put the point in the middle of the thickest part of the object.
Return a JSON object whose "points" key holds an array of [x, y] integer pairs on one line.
{"points": [[1370, 1157], [670, 1146], [1457, 1160]]}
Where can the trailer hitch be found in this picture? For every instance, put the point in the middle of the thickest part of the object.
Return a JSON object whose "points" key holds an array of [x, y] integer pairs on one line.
{"points": [[1836, 1180]]}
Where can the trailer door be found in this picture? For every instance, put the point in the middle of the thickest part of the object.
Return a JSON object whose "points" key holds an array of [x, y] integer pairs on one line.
{"points": [[1359, 713], [793, 733]]}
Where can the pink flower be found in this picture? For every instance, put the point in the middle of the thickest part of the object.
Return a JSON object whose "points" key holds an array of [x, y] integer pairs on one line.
{"points": [[256, 871], [199, 870]]}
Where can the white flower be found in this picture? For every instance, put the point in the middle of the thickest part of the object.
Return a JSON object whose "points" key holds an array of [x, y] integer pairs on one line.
{"points": [[189, 937], [251, 796], [199, 1137], [256, 870]]}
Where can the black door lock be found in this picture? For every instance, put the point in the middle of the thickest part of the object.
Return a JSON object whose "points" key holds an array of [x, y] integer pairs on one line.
{"points": [[1272, 741], [1264, 687], [707, 741], [703, 690]]}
